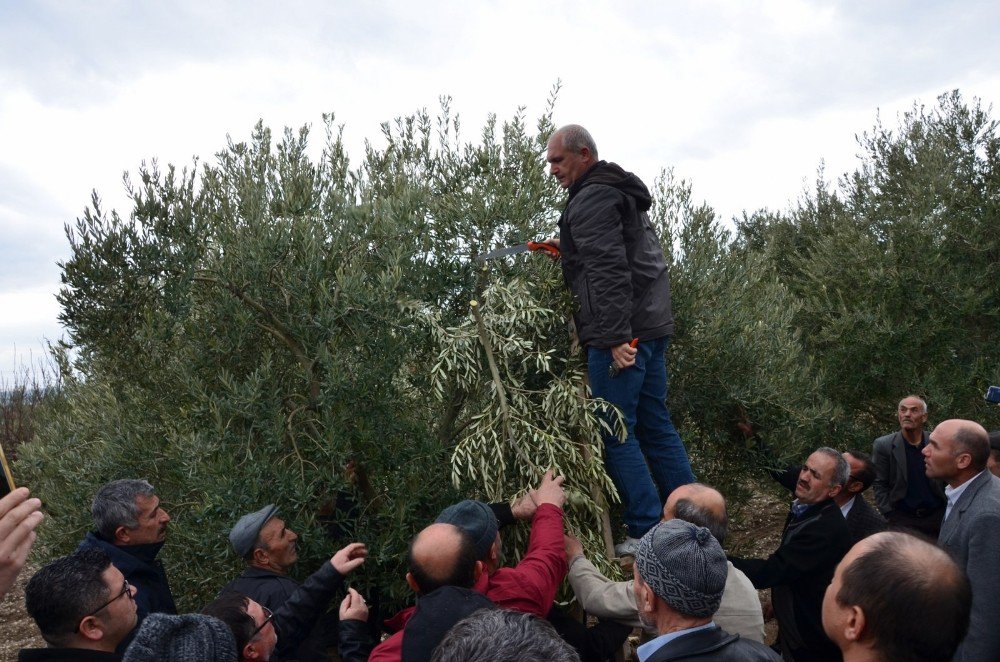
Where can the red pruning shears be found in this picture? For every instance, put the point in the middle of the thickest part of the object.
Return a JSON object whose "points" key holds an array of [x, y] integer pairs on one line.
{"points": [[613, 369], [532, 246]]}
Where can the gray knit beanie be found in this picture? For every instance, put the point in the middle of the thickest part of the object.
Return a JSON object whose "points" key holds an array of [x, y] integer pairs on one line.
{"points": [[186, 638], [684, 565]]}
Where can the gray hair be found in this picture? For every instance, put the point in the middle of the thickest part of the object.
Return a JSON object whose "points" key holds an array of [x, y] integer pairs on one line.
{"points": [[689, 511], [923, 403], [575, 138], [114, 505], [498, 635], [841, 469]]}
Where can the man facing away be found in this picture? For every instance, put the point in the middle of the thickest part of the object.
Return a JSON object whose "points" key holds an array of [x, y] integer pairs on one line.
{"points": [[680, 574], [956, 453], [869, 607], [613, 265], [269, 549], [528, 587], [903, 492], [131, 528], [83, 606], [739, 610], [814, 540], [443, 569]]}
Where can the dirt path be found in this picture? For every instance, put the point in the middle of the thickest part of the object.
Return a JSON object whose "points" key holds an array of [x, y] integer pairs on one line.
{"points": [[18, 630]]}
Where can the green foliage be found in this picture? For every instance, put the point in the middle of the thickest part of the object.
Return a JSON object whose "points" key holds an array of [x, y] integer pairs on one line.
{"points": [[273, 328], [736, 358], [896, 273]]}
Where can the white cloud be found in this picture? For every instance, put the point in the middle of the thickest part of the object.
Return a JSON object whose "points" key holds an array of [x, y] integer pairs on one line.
{"points": [[743, 99]]}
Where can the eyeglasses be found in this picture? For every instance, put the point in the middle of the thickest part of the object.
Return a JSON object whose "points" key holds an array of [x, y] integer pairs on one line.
{"points": [[126, 590], [268, 617]]}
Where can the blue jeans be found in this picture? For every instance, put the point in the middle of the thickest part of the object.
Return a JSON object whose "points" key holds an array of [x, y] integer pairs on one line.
{"points": [[653, 451]]}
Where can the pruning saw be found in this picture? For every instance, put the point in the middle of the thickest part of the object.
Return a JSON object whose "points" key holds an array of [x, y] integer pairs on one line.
{"points": [[533, 246]]}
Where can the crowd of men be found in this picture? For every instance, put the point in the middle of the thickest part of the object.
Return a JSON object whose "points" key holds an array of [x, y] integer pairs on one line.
{"points": [[915, 578], [839, 589]]}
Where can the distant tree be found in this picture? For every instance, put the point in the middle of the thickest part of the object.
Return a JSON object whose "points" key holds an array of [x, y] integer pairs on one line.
{"points": [[897, 272]]}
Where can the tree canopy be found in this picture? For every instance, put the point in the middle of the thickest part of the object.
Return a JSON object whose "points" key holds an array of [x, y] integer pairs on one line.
{"points": [[269, 328]]}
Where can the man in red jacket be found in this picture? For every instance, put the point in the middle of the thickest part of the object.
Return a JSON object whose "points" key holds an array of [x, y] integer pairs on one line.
{"points": [[528, 587]]}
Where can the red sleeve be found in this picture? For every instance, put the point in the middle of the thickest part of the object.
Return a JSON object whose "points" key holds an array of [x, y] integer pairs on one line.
{"points": [[531, 586], [390, 650]]}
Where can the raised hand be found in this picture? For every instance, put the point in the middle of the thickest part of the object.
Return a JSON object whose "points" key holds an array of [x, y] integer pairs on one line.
{"points": [[349, 557]]}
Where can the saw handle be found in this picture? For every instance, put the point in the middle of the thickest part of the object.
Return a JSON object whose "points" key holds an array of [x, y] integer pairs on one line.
{"points": [[542, 246]]}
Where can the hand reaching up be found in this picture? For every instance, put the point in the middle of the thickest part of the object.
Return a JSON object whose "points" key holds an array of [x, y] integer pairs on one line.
{"points": [[550, 490], [349, 558]]}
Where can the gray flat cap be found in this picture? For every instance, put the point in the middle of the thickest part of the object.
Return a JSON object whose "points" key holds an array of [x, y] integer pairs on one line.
{"points": [[247, 529]]}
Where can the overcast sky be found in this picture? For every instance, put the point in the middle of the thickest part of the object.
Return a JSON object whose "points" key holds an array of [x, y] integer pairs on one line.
{"points": [[744, 99]]}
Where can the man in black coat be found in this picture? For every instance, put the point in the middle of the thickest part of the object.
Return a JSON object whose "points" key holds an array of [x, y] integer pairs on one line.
{"points": [[614, 267], [814, 540], [130, 526], [679, 576], [862, 519], [269, 548]]}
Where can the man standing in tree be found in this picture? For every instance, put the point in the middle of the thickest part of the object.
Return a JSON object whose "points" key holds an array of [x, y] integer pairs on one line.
{"points": [[613, 265]]}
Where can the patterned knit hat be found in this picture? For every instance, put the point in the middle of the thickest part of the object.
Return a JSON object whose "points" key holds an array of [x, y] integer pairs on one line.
{"points": [[186, 638], [684, 565]]}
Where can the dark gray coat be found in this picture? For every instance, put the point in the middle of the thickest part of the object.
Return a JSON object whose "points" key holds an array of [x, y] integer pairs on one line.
{"points": [[889, 457], [612, 261], [971, 535]]}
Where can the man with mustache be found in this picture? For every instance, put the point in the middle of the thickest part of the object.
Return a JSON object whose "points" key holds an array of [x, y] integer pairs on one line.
{"points": [[813, 542], [906, 496], [130, 527], [270, 549]]}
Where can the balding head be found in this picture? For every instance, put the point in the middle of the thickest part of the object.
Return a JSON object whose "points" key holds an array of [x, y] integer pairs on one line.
{"points": [[878, 586], [702, 506], [442, 555], [956, 451]]}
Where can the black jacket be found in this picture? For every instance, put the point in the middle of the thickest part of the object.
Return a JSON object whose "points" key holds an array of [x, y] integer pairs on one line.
{"points": [[714, 644], [141, 568], [798, 573], [436, 613], [612, 260], [296, 607], [863, 520]]}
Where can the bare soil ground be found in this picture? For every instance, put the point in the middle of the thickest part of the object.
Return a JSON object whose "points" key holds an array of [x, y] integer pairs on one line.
{"points": [[17, 630]]}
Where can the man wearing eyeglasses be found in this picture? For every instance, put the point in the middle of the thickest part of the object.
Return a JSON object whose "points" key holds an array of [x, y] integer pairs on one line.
{"points": [[270, 549], [251, 623], [83, 607]]}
